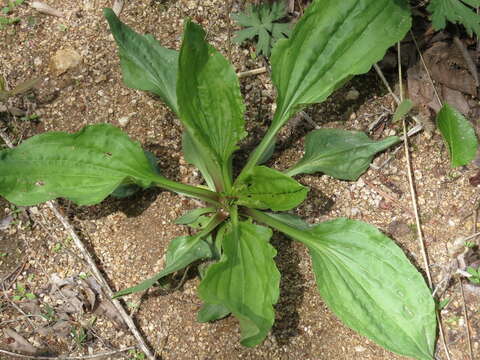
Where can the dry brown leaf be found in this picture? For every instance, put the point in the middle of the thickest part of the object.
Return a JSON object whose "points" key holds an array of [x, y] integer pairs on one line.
{"points": [[18, 343]]}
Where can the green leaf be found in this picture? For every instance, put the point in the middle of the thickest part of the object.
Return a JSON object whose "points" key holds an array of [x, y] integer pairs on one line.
{"points": [[212, 312], [146, 65], [265, 188], [182, 251], [245, 281], [456, 12], [368, 282], [201, 158], [259, 21], [402, 110], [193, 215], [459, 135], [128, 189], [339, 153], [84, 167], [333, 41], [209, 98]]}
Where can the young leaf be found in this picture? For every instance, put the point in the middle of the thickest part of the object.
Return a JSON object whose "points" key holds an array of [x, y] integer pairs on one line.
{"points": [[146, 65], [197, 156], [182, 251], [193, 215], [402, 110], [212, 312], [245, 281], [458, 134], [368, 282], [339, 153], [214, 122], [84, 167], [456, 12], [265, 188], [333, 41]]}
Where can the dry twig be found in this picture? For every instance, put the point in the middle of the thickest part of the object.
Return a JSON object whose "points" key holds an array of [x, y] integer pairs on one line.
{"points": [[252, 72]]}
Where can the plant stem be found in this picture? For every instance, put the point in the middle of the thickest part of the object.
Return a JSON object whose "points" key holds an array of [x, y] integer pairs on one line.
{"points": [[262, 147], [292, 232], [188, 190]]}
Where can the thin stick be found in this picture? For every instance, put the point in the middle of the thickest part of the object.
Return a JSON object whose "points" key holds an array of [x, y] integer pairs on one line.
{"points": [[415, 210], [93, 267], [468, 59], [93, 356], [426, 69], [252, 72], [6, 139], [467, 327]]}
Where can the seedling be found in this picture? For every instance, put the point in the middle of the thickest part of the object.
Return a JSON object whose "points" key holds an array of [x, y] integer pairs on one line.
{"points": [[57, 247], [363, 276], [6, 10], [136, 355], [261, 23], [79, 336], [475, 278], [455, 11], [21, 293]]}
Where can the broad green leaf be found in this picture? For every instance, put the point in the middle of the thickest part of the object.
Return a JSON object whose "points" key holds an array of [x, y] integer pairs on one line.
{"points": [[402, 110], [209, 98], [459, 135], [368, 282], [245, 281], [339, 153], [193, 215], [128, 189], [265, 188], [195, 155], [291, 220], [182, 251], [146, 65], [333, 41], [84, 167], [212, 312]]}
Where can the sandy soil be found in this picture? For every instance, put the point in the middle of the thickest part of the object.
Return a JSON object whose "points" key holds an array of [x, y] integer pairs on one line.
{"points": [[129, 237]]}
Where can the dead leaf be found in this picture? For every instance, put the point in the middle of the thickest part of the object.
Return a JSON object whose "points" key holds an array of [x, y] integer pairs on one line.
{"points": [[61, 328], [19, 343], [475, 180], [118, 6], [45, 9], [31, 307], [107, 309], [5, 222]]}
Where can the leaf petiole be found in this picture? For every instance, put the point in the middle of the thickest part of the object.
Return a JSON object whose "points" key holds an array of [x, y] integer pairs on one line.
{"points": [[188, 190]]}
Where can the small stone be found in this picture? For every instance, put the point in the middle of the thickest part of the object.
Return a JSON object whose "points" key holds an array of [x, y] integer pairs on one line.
{"points": [[352, 95], [123, 121], [64, 60], [360, 348], [37, 61]]}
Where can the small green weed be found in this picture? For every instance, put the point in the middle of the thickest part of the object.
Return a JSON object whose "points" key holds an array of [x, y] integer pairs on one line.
{"points": [[475, 278], [260, 22], [136, 355], [21, 293]]}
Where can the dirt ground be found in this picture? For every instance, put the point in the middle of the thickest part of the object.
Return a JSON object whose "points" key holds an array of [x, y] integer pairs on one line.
{"points": [[129, 237]]}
